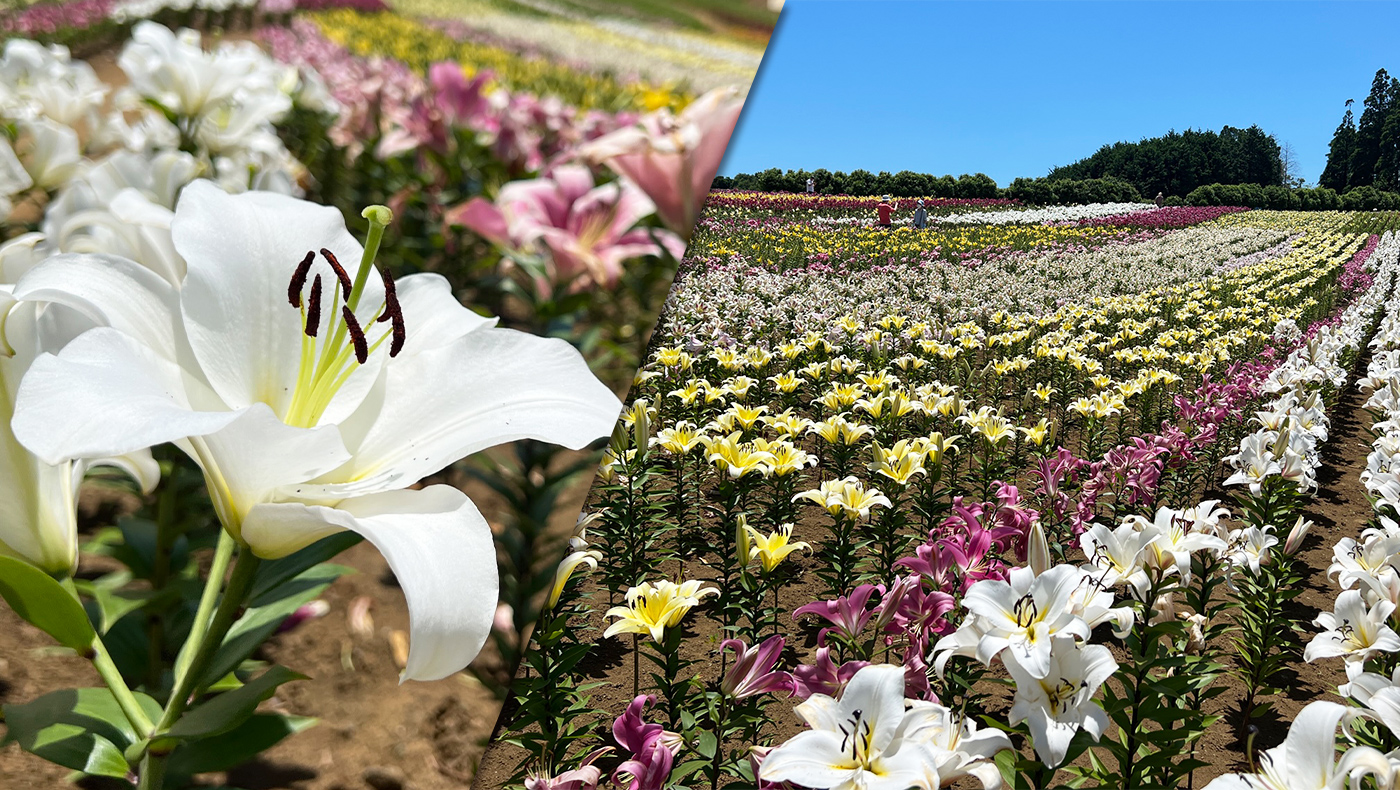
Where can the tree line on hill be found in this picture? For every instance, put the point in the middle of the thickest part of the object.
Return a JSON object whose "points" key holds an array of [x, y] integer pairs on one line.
{"points": [[1242, 167]]}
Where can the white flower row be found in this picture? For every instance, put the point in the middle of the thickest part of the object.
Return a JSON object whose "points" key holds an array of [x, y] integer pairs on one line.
{"points": [[111, 171], [739, 301], [133, 10], [1294, 426], [1041, 216], [1382, 474], [1360, 627]]}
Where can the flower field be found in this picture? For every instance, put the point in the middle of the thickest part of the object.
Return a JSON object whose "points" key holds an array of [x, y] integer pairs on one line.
{"points": [[1077, 500], [288, 281]]}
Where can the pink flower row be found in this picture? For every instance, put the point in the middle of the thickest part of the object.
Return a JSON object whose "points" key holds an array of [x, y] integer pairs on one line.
{"points": [[1165, 217]]}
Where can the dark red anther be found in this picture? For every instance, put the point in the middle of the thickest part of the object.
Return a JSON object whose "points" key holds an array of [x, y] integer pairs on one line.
{"points": [[391, 298], [400, 334], [345, 283], [313, 308], [357, 335], [299, 279]]}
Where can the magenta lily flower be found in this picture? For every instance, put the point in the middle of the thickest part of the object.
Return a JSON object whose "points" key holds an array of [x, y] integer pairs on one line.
{"points": [[922, 612], [585, 777], [653, 749], [753, 670], [933, 562], [849, 614], [587, 231], [673, 158], [823, 676]]}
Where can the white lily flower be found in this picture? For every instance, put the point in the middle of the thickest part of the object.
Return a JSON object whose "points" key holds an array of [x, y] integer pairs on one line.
{"points": [[38, 520], [1249, 547], [857, 742], [1254, 463], [49, 152], [1307, 758], [1024, 612], [1175, 541], [14, 179], [959, 748], [1116, 556], [1060, 702], [1353, 631], [314, 419], [174, 70]]}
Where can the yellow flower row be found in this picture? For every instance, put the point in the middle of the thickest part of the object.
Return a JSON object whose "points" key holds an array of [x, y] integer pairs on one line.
{"points": [[419, 46]]}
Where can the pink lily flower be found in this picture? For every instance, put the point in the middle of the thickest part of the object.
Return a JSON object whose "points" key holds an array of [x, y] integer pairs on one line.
{"points": [[588, 231], [933, 562], [752, 672], [922, 612], [585, 777], [673, 158], [823, 676], [849, 614], [653, 749]]}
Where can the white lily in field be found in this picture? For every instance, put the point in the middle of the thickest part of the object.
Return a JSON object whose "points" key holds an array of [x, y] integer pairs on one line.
{"points": [[38, 521], [1061, 702], [1354, 632], [49, 152], [1116, 555], [1374, 556], [1254, 463], [1175, 541], [858, 742], [1249, 547], [956, 744], [309, 413], [1023, 613], [1307, 758]]}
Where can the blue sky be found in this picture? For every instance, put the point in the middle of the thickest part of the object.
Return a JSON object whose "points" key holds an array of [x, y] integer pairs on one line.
{"points": [[1013, 89]]}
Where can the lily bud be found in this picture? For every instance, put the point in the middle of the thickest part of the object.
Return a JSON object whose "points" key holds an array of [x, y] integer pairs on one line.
{"points": [[1296, 536], [1038, 553], [743, 545]]}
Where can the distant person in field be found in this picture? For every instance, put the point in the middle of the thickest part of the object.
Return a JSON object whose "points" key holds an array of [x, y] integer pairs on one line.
{"points": [[921, 215], [811, 186], [1159, 200], [885, 210]]}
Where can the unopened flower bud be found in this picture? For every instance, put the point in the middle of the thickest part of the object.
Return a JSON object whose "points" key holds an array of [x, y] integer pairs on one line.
{"points": [[1296, 536]]}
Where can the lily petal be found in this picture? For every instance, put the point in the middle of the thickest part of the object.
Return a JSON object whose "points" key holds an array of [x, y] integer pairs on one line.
{"points": [[105, 395], [439, 548], [241, 251], [490, 387]]}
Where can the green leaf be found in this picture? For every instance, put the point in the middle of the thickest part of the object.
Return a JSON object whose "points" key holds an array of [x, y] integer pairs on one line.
{"points": [[273, 573], [259, 622], [111, 602], [42, 601], [232, 708], [257, 734], [81, 729]]}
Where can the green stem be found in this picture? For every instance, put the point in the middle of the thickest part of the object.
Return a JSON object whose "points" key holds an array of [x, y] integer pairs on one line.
{"points": [[152, 772], [107, 669], [112, 676], [217, 569], [188, 685]]}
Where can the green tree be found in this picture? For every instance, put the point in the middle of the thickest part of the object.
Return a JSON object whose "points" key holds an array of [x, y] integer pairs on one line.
{"points": [[1369, 131], [1337, 174]]}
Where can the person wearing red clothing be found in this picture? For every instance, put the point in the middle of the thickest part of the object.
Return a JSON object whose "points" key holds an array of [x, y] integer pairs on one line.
{"points": [[885, 210]]}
